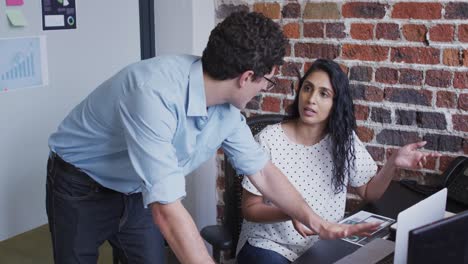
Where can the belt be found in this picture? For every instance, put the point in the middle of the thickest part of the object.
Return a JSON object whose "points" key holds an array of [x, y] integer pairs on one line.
{"points": [[56, 159]]}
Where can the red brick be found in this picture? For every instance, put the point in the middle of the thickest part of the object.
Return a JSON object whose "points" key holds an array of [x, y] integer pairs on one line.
{"points": [[377, 153], [460, 122], [454, 10], [463, 33], [335, 30], [444, 162], [415, 55], [386, 75], [363, 10], [451, 57], [283, 87], [287, 105], [430, 163], [411, 77], [291, 10], [321, 11], [291, 30], [465, 58], [442, 33], [362, 31], [361, 112], [313, 30], [225, 10], [446, 99], [438, 78], [271, 10], [461, 80], [415, 10], [271, 104], [413, 32], [389, 31], [463, 102], [361, 73], [290, 68], [373, 94], [312, 50], [365, 134], [288, 50], [365, 52], [408, 96]]}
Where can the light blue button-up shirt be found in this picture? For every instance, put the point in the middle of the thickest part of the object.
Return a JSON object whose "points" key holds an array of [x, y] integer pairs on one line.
{"points": [[148, 126]]}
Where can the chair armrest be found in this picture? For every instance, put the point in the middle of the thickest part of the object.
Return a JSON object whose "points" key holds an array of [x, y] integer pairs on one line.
{"points": [[218, 236]]}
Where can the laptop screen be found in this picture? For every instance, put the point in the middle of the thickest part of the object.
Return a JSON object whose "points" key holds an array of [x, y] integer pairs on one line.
{"points": [[445, 241]]}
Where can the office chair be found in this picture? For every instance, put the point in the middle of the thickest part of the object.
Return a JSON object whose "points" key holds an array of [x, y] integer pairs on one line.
{"points": [[224, 237]]}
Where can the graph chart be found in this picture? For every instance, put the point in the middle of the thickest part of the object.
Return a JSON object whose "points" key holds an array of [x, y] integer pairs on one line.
{"points": [[23, 64]]}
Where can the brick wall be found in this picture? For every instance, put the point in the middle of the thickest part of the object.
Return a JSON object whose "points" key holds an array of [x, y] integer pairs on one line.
{"points": [[407, 63]]}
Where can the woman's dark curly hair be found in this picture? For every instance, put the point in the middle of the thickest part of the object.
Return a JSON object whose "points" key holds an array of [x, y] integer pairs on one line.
{"points": [[341, 122], [243, 41]]}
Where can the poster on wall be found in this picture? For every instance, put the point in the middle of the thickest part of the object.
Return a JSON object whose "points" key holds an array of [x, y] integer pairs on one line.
{"points": [[23, 63], [58, 14]]}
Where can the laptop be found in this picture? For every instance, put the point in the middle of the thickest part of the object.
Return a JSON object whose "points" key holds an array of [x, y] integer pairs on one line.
{"points": [[445, 241], [426, 211]]}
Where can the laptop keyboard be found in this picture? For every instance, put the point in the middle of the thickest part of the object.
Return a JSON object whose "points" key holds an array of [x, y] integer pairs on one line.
{"points": [[388, 259]]}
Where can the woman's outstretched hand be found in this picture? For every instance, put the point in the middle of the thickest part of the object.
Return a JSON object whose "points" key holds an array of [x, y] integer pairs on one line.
{"points": [[409, 157], [330, 230]]}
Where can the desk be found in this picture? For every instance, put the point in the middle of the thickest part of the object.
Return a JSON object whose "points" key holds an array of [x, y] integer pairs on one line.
{"points": [[396, 199]]}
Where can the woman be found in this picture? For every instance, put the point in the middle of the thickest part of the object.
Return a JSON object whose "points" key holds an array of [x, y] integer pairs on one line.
{"points": [[321, 155]]}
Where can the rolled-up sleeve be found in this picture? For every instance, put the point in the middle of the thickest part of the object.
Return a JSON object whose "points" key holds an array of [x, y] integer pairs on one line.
{"points": [[149, 123], [244, 153]]}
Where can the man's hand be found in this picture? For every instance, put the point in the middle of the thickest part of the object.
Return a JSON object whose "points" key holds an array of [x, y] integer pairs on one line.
{"points": [[330, 230], [180, 232]]}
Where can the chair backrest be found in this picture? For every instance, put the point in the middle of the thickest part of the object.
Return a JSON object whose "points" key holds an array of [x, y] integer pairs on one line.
{"points": [[233, 183]]}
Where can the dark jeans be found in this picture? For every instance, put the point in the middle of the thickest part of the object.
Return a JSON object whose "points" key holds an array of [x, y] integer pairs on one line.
{"points": [[254, 255], [83, 215]]}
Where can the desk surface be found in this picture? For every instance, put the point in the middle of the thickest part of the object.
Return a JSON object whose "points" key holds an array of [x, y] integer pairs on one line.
{"points": [[396, 199]]}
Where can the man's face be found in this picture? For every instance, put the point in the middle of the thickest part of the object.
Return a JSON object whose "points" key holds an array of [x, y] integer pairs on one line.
{"points": [[253, 86]]}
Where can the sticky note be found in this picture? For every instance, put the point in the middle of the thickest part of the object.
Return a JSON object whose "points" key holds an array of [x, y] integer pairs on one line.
{"points": [[16, 18], [14, 2]]}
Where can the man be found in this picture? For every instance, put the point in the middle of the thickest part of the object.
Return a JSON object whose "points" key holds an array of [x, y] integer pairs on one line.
{"points": [[131, 142]]}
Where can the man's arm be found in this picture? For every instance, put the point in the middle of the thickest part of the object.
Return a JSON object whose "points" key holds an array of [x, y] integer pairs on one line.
{"points": [[180, 232], [272, 183]]}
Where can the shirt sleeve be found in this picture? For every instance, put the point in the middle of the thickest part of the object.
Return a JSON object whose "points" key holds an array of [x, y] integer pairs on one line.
{"points": [[261, 138], [244, 153], [364, 166], [149, 123]]}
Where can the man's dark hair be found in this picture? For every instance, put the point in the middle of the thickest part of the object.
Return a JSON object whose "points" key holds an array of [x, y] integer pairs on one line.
{"points": [[243, 41]]}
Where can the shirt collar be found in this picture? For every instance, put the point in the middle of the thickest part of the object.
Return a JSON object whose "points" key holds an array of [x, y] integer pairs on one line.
{"points": [[196, 92]]}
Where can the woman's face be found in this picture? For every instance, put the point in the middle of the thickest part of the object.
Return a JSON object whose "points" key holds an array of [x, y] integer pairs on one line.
{"points": [[316, 99]]}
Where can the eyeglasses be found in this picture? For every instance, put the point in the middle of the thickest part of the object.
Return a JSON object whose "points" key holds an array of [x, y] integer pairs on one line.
{"points": [[271, 83]]}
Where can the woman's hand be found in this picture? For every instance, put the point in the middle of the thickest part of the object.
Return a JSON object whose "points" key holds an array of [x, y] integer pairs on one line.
{"points": [[302, 229], [330, 230], [409, 157]]}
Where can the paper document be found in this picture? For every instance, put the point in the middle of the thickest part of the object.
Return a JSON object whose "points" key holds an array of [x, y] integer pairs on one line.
{"points": [[366, 217]]}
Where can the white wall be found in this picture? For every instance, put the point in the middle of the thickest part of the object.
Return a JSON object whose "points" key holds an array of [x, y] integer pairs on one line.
{"points": [[183, 26], [106, 39]]}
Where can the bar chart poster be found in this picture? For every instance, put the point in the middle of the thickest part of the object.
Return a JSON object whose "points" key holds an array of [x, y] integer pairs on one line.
{"points": [[23, 63]]}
